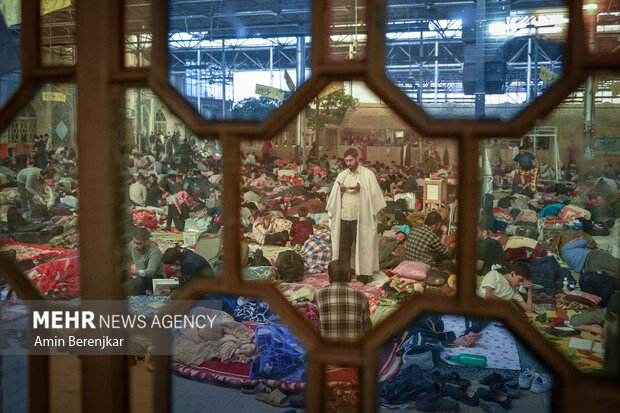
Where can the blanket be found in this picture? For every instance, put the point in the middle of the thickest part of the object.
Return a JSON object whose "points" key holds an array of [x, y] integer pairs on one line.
{"points": [[317, 252], [59, 279], [497, 344]]}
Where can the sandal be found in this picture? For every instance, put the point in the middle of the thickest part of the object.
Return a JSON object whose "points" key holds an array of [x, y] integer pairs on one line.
{"points": [[259, 388], [275, 398]]}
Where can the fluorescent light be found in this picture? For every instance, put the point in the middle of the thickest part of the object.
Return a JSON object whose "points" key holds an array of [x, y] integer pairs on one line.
{"points": [[497, 29], [591, 6]]}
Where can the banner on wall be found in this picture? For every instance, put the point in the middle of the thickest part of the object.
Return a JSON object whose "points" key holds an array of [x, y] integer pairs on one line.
{"points": [[270, 92], [53, 97], [12, 9], [547, 75]]}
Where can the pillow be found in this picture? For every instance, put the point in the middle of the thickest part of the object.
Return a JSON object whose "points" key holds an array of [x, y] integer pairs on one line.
{"points": [[583, 298], [412, 269]]}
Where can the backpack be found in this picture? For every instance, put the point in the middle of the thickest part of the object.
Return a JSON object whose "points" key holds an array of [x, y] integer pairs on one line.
{"points": [[259, 260], [290, 266], [598, 283]]}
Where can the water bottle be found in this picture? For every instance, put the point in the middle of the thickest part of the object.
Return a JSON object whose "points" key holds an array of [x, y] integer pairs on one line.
{"points": [[469, 360]]}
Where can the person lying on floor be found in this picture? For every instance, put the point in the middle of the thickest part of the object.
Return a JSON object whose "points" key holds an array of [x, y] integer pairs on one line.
{"points": [[598, 321], [262, 235], [188, 261], [392, 251], [146, 262], [343, 311], [580, 259], [502, 285]]}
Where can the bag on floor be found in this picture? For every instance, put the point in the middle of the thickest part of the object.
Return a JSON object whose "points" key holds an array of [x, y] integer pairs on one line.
{"points": [[598, 283], [290, 266], [259, 260], [418, 350]]}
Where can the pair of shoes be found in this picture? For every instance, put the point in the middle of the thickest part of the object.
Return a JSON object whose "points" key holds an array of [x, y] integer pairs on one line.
{"points": [[525, 378], [541, 383], [511, 388], [259, 388], [275, 398], [495, 396], [458, 394]]}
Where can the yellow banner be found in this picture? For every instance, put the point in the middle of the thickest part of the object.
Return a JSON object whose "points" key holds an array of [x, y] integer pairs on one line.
{"points": [[270, 92], [547, 75], [615, 89], [12, 9], [53, 97], [331, 88], [289, 82]]}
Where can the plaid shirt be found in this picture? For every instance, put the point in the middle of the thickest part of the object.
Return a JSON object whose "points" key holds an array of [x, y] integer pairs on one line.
{"points": [[343, 312], [421, 243]]}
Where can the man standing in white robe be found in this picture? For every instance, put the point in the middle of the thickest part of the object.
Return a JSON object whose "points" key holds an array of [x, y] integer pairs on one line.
{"points": [[354, 202]]}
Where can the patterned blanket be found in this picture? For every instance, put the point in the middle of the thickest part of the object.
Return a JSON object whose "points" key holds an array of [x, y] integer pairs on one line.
{"points": [[317, 252]]}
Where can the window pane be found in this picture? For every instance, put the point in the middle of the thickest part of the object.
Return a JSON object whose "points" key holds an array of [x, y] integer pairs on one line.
{"points": [[248, 361], [58, 35], [10, 74], [286, 186], [40, 192], [138, 33], [347, 25], [602, 26], [442, 362], [552, 203], [225, 57], [173, 197], [482, 60]]}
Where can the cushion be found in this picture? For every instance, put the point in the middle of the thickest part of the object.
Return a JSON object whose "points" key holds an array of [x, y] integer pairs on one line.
{"points": [[412, 269]]}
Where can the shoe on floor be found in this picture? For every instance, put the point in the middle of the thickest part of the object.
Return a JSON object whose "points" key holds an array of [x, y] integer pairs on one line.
{"points": [[541, 383], [511, 389], [496, 397], [525, 378], [458, 394]]}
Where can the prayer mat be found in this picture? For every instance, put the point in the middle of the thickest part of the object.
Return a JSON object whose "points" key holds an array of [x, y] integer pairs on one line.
{"points": [[497, 344], [586, 361]]}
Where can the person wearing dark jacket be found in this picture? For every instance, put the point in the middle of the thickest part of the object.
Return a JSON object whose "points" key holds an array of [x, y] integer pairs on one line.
{"points": [[191, 263]]}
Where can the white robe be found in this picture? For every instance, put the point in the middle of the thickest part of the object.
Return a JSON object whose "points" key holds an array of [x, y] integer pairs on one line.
{"points": [[365, 258]]}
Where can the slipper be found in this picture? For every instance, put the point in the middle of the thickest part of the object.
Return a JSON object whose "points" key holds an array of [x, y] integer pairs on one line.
{"points": [[259, 388], [275, 398]]}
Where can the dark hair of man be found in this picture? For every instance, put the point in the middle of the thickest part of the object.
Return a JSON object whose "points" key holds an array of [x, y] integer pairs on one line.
{"points": [[48, 173], [258, 214], [433, 218], [521, 269], [172, 255], [141, 234], [172, 177], [352, 152], [302, 212], [337, 271]]}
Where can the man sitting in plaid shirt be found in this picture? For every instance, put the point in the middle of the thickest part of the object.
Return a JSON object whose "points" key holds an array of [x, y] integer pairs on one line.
{"points": [[343, 310], [423, 245]]}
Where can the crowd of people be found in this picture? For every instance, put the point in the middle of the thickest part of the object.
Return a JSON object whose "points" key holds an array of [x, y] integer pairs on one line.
{"points": [[368, 216]]}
